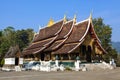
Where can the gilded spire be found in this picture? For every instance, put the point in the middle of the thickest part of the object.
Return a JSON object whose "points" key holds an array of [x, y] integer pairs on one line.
{"points": [[51, 22], [35, 33], [91, 14], [90, 17], [39, 27], [65, 18], [74, 18]]}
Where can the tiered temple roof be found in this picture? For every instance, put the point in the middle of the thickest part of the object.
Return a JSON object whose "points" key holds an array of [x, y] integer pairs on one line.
{"points": [[74, 39], [45, 37], [63, 37]]}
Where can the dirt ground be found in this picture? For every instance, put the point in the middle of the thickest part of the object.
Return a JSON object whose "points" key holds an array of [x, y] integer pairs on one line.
{"points": [[66, 75]]}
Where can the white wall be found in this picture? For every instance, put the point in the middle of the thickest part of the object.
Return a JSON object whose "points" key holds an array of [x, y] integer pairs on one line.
{"points": [[10, 61], [20, 60]]}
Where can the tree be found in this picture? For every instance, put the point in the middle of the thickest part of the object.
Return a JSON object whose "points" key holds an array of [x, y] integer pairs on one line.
{"points": [[24, 37], [0, 42], [104, 33], [0, 33], [6, 40], [9, 35], [30, 34], [0, 37], [118, 60]]}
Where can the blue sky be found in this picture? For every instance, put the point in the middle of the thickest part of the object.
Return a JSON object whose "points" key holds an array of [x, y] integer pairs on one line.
{"points": [[23, 14]]}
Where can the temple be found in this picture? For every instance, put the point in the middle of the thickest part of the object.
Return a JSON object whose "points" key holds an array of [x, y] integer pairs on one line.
{"points": [[66, 39]]}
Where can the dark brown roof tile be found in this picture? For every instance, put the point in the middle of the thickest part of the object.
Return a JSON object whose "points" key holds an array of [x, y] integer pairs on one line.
{"points": [[39, 43], [77, 33], [31, 51], [52, 46], [49, 31], [65, 48], [65, 30]]}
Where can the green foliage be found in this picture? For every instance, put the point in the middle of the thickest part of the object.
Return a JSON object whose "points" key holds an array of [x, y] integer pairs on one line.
{"points": [[7, 39], [10, 37], [2, 62], [0, 40], [104, 33], [118, 60], [67, 68], [112, 54], [24, 37]]}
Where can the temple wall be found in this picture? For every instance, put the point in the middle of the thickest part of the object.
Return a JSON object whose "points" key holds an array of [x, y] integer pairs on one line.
{"points": [[89, 42], [9, 61], [72, 56], [20, 61]]}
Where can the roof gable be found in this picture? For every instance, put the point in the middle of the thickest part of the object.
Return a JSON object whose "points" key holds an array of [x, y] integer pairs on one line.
{"points": [[63, 37], [65, 30], [77, 32], [13, 51], [49, 31]]}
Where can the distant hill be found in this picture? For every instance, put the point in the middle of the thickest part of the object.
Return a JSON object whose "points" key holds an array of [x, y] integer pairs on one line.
{"points": [[116, 45]]}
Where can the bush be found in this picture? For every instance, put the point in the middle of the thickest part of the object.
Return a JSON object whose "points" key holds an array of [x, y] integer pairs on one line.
{"points": [[118, 64], [68, 68], [2, 62], [118, 61]]}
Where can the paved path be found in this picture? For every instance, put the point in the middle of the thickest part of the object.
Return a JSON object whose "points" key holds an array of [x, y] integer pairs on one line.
{"points": [[66, 75]]}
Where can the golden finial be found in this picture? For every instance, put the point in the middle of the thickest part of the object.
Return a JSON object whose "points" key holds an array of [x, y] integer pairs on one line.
{"points": [[65, 18], [91, 14], [35, 33], [39, 27], [51, 22], [74, 18]]}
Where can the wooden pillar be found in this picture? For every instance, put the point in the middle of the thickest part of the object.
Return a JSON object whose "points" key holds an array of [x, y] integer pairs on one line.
{"points": [[69, 56], [52, 56], [35, 57], [61, 57]]}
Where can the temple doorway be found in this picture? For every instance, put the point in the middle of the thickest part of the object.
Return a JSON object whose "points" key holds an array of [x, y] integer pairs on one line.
{"points": [[42, 56], [16, 61], [83, 50], [88, 54]]}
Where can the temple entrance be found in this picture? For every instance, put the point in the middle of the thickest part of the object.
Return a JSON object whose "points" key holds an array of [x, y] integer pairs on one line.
{"points": [[88, 55], [42, 56], [16, 61], [83, 47]]}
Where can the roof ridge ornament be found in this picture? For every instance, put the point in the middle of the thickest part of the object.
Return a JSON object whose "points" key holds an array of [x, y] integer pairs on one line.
{"points": [[90, 17], [35, 33], [91, 14], [39, 27], [74, 19], [64, 19], [51, 22]]}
